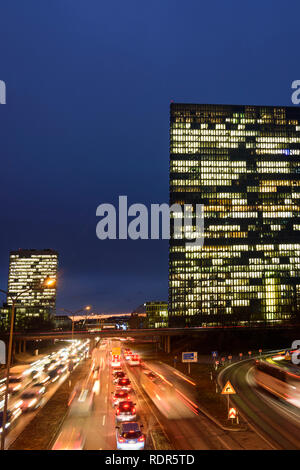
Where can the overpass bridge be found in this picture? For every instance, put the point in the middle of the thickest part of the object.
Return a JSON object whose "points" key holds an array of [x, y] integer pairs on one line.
{"points": [[162, 335]]}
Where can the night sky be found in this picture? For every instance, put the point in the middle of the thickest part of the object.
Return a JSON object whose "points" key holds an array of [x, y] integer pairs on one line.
{"points": [[89, 85]]}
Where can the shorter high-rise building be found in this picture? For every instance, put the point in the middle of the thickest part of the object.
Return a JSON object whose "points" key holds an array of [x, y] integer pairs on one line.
{"points": [[28, 268], [27, 271], [157, 314]]}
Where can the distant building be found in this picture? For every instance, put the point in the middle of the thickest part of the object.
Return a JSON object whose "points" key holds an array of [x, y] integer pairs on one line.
{"points": [[32, 267], [29, 268], [157, 314], [25, 317], [63, 322], [242, 163]]}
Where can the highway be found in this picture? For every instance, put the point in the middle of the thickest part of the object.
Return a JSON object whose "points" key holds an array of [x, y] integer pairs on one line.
{"points": [[166, 402], [275, 421], [186, 429], [22, 419]]}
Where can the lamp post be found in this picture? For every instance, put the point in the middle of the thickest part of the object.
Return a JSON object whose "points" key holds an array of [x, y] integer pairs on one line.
{"points": [[48, 282], [88, 307]]}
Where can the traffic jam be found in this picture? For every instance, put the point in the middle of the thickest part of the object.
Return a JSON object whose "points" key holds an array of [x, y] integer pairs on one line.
{"points": [[129, 432], [28, 387], [82, 419]]}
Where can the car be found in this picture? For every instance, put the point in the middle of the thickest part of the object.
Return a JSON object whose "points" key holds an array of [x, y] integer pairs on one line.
{"points": [[53, 375], [115, 362], [130, 437], [8, 420], [125, 411], [62, 368], [70, 438], [11, 416], [81, 402], [96, 373], [15, 384], [134, 360], [124, 384], [128, 355], [34, 374], [31, 399], [116, 371], [39, 387], [118, 396], [119, 375], [50, 365]]}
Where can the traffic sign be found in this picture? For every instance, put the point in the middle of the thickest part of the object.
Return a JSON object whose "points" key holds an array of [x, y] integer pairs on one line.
{"points": [[189, 357], [214, 353], [232, 413], [228, 389]]}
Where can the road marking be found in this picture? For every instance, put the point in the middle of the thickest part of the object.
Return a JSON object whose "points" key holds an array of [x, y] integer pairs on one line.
{"points": [[103, 420]]}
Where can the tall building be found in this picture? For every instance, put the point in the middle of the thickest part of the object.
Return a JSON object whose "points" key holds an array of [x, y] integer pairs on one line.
{"points": [[243, 164], [28, 268], [156, 314]]}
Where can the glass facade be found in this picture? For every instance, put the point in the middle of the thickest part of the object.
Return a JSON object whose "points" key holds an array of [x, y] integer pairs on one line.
{"points": [[243, 164], [32, 267], [157, 314]]}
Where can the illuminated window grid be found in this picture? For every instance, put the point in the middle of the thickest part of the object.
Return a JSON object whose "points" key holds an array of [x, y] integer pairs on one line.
{"points": [[242, 163], [32, 267]]}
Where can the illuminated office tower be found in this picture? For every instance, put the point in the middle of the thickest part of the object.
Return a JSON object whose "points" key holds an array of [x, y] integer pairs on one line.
{"points": [[29, 268], [157, 314], [243, 164]]}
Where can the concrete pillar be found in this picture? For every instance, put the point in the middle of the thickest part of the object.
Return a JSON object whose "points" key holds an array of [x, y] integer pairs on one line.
{"points": [[24, 345], [168, 344], [19, 347]]}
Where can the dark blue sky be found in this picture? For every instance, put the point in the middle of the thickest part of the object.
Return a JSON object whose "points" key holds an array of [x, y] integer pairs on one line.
{"points": [[88, 90]]}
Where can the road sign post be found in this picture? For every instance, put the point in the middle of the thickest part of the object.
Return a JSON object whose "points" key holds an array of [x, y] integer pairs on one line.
{"points": [[189, 357], [228, 390], [232, 414]]}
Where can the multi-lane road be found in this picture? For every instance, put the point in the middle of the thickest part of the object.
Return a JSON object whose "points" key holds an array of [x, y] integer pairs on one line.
{"points": [[169, 408], [188, 429]]}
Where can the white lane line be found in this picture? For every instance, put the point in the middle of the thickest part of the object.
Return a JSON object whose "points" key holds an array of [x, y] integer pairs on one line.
{"points": [[103, 420]]}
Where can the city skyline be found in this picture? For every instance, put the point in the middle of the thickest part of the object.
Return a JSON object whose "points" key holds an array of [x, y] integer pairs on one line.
{"points": [[75, 136], [150, 221]]}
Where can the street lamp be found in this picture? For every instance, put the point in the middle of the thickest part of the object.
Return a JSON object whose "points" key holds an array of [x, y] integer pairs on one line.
{"points": [[47, 283], [88, 307]]}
